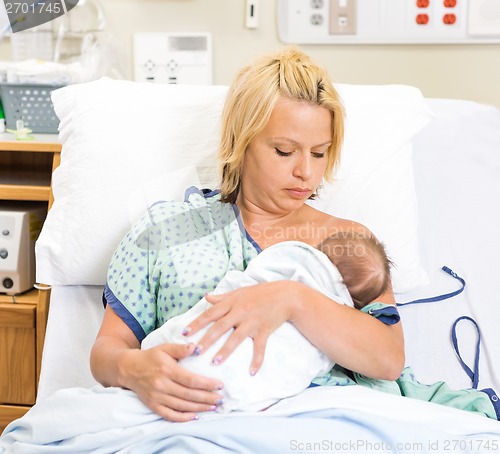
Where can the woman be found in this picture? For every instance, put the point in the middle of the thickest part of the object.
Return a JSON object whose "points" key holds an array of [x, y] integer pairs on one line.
{"points": [[281, 135]]}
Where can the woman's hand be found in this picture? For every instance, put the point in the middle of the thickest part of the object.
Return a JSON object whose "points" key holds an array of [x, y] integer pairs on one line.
{"points": [[166, 387], [255, 311], [154, 374], [346, 335]]}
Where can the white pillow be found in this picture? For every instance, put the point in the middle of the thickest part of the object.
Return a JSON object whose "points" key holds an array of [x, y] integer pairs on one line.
{"points": [[127, 144]]}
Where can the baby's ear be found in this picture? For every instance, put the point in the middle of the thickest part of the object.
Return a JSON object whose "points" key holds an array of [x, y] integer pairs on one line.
{"points": [[357, 304]]}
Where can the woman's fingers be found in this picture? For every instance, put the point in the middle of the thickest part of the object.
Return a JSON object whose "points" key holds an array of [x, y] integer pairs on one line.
{"points": [[180, 398], [251, 311], [259, 349], [189, 381], [170, 390], [178, 351], [214, 299], [174, 416], [234, 340], [208, 316], [174, 408]]}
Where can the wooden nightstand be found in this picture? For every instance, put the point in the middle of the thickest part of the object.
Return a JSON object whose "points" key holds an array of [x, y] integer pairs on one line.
{"points": [[25, 174]]}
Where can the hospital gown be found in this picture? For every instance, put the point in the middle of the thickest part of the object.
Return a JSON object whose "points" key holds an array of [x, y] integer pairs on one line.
{"points": [[172, 256], [179, 251]]}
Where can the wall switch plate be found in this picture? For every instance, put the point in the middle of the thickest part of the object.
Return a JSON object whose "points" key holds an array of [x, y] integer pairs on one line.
{"points": [[343, 17], [252, 14]]}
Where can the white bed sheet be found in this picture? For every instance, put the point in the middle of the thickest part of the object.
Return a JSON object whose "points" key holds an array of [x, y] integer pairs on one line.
{"points": [[457, 177], [75, 315], [457, 170]]}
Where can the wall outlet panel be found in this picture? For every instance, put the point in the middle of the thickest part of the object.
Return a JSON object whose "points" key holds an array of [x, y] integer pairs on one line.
{"points": [[342, 17], [389, 21], [173, 58]]}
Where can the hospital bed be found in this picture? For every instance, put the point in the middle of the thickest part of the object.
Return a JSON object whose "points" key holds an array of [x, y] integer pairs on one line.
{"points": [[423, 174]]}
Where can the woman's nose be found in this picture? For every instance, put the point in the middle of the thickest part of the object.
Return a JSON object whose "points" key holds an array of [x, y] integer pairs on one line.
{"points": [[303, 166]]}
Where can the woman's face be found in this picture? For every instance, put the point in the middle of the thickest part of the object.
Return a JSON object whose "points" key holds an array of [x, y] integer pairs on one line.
{"points": [[285, 163]]}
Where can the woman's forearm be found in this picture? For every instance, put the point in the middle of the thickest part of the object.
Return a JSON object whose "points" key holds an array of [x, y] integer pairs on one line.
{"points": [[109, 359], [111, 355], [348, 336]]}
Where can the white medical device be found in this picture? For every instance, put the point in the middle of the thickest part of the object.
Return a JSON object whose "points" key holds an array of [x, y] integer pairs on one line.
{"points": [[173, 58], [20, 225]]}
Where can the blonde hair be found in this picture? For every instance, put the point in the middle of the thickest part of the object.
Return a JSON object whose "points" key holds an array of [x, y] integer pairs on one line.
{"points": [[252, 97]]}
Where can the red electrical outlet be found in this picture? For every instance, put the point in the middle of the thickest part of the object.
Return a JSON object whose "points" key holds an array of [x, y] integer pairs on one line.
{"points": [[422, 19], [449, 19]]}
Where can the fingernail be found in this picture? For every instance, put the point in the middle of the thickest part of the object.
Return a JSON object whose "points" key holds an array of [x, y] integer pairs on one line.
{"points": [[220, 402], [219, 387], [253, 372], [213, 407], [216, 361], [195, 418], [186, 331], [198, 350]]}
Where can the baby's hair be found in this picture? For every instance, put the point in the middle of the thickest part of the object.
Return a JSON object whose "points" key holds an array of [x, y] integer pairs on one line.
{"points": [[363, 263]]}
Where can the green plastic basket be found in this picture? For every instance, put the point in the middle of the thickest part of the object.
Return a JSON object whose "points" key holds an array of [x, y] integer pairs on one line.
{"points": [[32, 104]]}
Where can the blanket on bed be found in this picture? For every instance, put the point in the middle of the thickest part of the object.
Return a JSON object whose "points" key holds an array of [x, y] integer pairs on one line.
{"points": [[320, 419]]}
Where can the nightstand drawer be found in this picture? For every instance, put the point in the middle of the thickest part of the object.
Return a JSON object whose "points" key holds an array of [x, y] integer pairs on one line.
{"points": [[17, 354]]}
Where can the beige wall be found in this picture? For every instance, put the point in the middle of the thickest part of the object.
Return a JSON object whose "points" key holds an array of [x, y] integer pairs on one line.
{"points": [[445, 71]]}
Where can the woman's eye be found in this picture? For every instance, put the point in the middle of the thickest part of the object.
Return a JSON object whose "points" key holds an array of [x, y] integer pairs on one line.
{"points": [[282, 153], [319, 155]]}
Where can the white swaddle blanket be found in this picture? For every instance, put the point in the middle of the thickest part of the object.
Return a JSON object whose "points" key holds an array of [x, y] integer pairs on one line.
{"points": [[291, 361]]}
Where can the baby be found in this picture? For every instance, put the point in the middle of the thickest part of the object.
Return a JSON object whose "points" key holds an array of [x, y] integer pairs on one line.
{"points": [[349, 268], [362, 262]]}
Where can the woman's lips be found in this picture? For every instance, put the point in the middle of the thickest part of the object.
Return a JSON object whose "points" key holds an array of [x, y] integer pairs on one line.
{"points": [[299, 193]]}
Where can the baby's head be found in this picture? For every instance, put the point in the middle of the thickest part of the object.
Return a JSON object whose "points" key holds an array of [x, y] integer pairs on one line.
{"points": [[363, 263]]}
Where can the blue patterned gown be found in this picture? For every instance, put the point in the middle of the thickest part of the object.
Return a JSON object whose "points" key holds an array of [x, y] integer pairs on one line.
{"points": [[172, 256]]}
